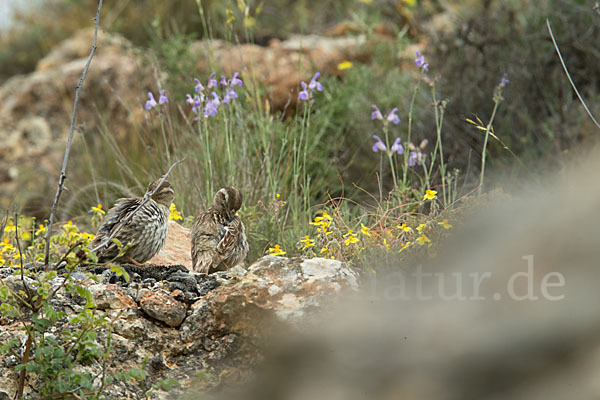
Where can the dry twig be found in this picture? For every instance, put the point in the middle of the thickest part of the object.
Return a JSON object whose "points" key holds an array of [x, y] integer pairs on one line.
{"points": [[63, 171]]}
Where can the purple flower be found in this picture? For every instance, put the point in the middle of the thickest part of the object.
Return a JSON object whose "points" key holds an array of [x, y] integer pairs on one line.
{"points": [[303, 95], [416, 156], [412, 159], [392, 117], [163, 99], [212, 106], [151, 103], [379, 145], [212, 82], [223, 81], [314, 84], [236, 81], [504, 81], [420, 62], [198, 87], [229, 95], [376, 114], [307, 90], [397, 147]]}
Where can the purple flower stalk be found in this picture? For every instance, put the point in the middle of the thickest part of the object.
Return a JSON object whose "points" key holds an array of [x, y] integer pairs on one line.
{"points": [[163, 99], [212, 106], [303, 94], [504, 81], [236, 81], [150, 103], [379, 145], [397, 147], [392, 117], [420, 62], [307, 90], [229, 95], [416, 156], [212, 82], [314, 84], [198, 88], [376, 114]]}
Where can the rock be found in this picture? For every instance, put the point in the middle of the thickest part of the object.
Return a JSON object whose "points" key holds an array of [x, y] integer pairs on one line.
{"points": [[183, 322], [177, 249], [35, 110], [283, 64], [162, 307], [111, 297]]}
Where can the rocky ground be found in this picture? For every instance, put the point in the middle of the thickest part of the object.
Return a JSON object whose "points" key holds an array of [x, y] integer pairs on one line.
{"points": [[182, 322]]}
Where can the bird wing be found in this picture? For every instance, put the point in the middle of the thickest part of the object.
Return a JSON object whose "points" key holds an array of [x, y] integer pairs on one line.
{"points": [[120, 210], [205, 238], [231, 238]]}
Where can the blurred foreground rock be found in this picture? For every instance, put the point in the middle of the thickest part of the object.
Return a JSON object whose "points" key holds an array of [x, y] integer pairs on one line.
{"points": [[183, 322]]}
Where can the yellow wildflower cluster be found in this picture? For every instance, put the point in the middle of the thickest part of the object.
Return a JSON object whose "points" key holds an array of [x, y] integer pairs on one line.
{"points": [[174, 215], [276, 251]]}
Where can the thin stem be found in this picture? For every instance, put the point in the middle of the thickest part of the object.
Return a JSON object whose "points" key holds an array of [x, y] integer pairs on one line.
{"points": [[439, 118], [164, 135], [410, 116], [484, 151], [63, 172]]}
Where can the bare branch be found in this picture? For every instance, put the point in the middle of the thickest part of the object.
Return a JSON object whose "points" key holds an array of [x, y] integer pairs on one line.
{"points": [[124, 221], [63, 176], [569, 75]]}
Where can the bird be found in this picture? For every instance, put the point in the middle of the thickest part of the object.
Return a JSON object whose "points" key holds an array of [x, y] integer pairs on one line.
{"points": [[218, 234], [146, 231]]}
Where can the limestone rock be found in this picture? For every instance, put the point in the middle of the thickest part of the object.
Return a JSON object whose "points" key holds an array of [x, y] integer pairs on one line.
{"points": [[177, 249], [162, 307], [111, 297]]}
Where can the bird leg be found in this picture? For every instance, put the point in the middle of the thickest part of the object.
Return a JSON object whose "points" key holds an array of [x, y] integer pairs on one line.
{"points": [[137, 264]]}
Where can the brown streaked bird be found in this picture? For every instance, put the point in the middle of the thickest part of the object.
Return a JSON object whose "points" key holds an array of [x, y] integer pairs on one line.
{"points": [[218, 235], [146, 230]]}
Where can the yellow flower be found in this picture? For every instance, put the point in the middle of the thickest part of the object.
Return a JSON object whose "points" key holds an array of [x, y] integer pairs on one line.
{"points": [[386, 244], [10, 227], [423, 239], [410, 3], [404, 246], [276, 251], [308, 242], [230, 17], [277, 195], [365, 230], [405, 228], [26, 235], [98, 209], [350, 237], [69, 227], [430, 194], [344, 65], [421, 228], [174, 215], [41, 230], [325, 250], [445, 224]]}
